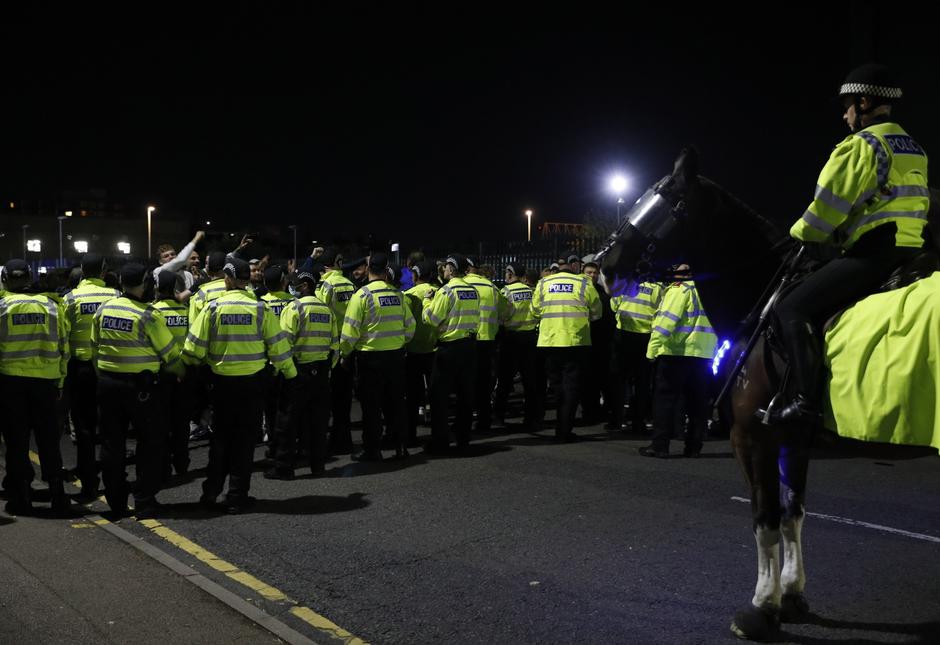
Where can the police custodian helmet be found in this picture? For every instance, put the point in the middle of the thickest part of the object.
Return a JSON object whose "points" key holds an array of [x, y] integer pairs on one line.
{"points": [[872, 80]]}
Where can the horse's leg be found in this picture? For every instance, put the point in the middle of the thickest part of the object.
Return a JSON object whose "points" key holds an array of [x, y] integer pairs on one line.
{"points": [[794, 464], [757, 448]]}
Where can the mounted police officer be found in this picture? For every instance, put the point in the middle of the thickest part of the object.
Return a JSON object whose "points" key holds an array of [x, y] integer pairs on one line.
{"points": [[871, 200]]}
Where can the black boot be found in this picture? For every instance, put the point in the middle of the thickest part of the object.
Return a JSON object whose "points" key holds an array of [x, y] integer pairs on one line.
{"points": [[60, 503], [804, 351]]}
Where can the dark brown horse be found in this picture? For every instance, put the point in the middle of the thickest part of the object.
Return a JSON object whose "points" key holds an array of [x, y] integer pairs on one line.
{"points": [[735, 254]]}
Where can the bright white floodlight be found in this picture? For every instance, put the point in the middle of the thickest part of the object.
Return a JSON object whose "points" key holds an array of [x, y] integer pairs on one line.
{"points": [[618, 184]]}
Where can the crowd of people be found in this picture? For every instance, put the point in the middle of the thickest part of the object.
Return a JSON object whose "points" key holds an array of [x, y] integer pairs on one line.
{"points": [[244, 349]]}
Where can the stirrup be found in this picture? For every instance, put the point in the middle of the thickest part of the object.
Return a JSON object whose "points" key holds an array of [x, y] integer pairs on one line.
{"points": [[799, 409]]}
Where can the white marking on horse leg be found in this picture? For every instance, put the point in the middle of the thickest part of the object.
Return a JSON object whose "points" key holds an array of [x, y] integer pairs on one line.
{"points": [[767, 594], [792, 578]]}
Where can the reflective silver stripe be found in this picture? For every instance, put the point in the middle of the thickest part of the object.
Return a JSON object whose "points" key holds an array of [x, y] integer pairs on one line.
{"points": [[237, 357], [664, 332], [119, 342], [637, 301], [910, 191], [669, 315], [487, 308], [874, 217], [26, 338], [566, 314], [30, 353], [198, 342], [316, 334], [489, 320], [818, 223], [561, 303], [384, 334], [166, 350], [280, 357], [237, 337], [349, 339], [278, 337], [699, 328], [832, 200], [469, 326], [434, 319], [389, 318], [128, 360], [107, 307], [352, 322], [635, 314]]}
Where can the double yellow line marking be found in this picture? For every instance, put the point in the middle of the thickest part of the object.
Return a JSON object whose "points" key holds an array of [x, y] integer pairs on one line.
{"points": [[244, 578]]}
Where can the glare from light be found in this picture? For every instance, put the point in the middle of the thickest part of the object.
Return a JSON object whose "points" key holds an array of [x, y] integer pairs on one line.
{"points": [[68, 213], [618, 184], [720, 354], [43, 270], [34, 246], [81, 246], [528, 213], [208, 223], [123, 247], [151, 209]]}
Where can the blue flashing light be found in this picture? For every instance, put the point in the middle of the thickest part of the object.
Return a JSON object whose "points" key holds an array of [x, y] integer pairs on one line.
{"points": [[720, 354]]}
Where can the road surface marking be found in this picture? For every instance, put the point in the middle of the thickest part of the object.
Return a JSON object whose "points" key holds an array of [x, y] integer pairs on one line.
{"points": [[867, 525]]}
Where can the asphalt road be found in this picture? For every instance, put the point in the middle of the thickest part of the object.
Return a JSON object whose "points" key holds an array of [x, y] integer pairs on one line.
{"points": [[527, 541]]}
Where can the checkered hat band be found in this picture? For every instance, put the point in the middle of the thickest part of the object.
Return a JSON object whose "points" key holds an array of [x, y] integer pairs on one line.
{"points": [[871, 90]]}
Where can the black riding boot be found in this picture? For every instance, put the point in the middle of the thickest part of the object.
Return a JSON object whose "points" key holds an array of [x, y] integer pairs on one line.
{"points": [[804, 351]]}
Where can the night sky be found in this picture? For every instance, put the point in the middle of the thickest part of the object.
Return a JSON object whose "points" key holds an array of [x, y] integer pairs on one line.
{"points": [[422, 124]]}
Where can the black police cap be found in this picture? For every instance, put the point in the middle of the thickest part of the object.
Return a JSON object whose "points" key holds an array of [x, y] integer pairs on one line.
{"points": [[133, 274], [237, 269]]}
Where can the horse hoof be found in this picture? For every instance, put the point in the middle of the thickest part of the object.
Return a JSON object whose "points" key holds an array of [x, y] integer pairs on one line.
{"points": [[793, 608], [755, 624]]}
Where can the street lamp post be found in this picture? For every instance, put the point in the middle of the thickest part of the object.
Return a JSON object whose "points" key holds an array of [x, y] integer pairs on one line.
{"points": [[25, 247], [528, 215], [618, 186], [150, 210], [61, 257]]}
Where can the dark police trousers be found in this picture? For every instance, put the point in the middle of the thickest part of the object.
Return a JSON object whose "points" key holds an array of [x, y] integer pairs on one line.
{"points": [[418, 369], [177, 406], [630, 365], [454, 371], [681, 380], [131, 399], [83, 402], [517, 353], [237, 403], [382, 393], [341, 391], [29, 403], [486, 355], [305, 412], [565, 369]]}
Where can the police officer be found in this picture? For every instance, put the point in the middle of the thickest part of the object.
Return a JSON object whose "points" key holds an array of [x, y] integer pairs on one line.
{"points": [[419, 357], [212, 289], [377, 326], [455, 310], [80, 306], [313, 334], [634, 315], [275, 394], [682, 342], [236, 335], [335, 291], [517, 351], [493, 306], [565, 304], [131, 341], [872, 200], [34, 355], [178, 397]]}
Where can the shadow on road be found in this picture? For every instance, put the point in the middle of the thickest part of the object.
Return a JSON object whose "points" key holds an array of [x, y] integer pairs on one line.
{"points": [[922, 632], [304, 505]]}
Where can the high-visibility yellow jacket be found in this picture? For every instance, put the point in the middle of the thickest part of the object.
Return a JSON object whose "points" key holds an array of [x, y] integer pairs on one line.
{"points": [[493, 305], [681, 327], [875, 176], [425, 337], [377, 319], [129, 336], [205, 294], [336, 291], [236, 335], [454, 310], [635, 313], [520, 316], [177, 318], [81, 303], [277, 300], [565, 304], [33, 337], [312, 330]]}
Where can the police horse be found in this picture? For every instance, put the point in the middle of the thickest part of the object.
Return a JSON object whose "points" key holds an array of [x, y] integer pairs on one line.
{"points": [[737, 257]]}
